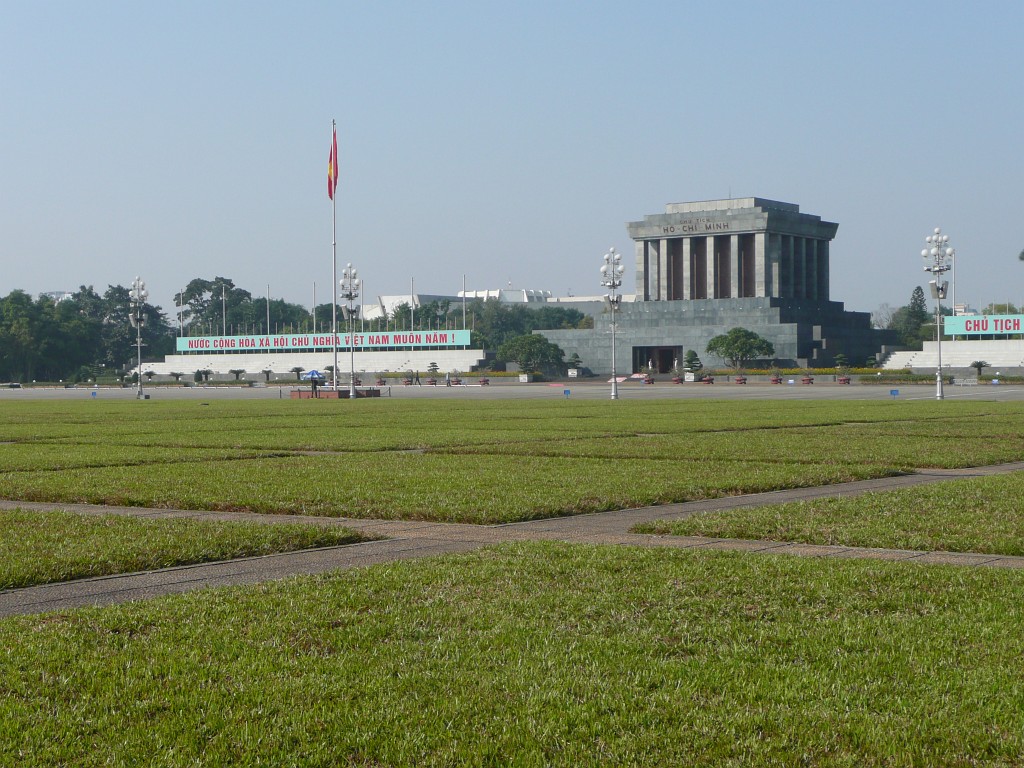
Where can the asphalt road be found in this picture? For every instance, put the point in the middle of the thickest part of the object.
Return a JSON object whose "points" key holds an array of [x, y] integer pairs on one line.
{"points": [[823, 389]]}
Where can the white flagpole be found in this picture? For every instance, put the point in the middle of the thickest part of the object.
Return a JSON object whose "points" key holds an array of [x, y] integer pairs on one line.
{"points": [[334, 256]]}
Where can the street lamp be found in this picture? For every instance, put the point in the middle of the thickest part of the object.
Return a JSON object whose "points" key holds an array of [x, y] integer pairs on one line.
{"points": [[137, 297], [938, 251], [350, 285], [611, 278]]}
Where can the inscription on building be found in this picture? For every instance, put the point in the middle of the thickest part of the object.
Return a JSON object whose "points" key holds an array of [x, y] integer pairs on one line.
{"points": [[695, 226]]}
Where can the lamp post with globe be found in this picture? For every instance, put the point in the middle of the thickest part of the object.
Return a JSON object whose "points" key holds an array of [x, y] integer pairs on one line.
{"points": [[611, 278], [941, 256], [350, 285], [137, 298]]}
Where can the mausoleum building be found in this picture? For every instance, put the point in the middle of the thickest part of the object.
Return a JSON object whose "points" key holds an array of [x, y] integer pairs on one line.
{"points": [[705, 267]]}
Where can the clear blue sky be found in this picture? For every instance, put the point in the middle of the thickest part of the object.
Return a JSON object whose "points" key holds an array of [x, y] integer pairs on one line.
{"points": [[507, 142]]}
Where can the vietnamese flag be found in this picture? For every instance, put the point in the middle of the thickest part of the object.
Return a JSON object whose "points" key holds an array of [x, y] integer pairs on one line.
{"points": [[332, 166]]}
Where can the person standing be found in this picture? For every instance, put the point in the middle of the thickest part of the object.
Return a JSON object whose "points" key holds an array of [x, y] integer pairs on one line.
{"points": [[447, 379]]}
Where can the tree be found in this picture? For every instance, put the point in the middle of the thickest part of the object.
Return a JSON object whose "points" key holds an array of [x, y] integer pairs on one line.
{"points": [[691, 362], [909, 321], [237, 372], [531, 352], [297, 370], [1000, 309], [177, 376], [495, 323], [979, 365], [917, 305], [739, 346], [266, 374], [882, 317]]}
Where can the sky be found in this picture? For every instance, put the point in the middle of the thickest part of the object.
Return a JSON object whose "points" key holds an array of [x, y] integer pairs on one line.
{"points": [[500, 143]]}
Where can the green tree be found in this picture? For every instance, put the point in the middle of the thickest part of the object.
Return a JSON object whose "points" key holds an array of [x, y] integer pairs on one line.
{"points": [[910, 321], [979, 366], [495, 323], [1001, 309], [691, 362], [739, 346], [531, 352]]}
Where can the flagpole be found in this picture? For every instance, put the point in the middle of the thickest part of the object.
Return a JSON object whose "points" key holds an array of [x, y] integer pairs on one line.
{"points": [[334, 257]]}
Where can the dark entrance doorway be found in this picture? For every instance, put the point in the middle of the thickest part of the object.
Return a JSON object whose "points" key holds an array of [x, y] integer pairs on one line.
{"points": [[661, 359]]}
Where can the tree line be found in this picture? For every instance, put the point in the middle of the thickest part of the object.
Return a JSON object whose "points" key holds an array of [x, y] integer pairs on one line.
{"points": [[88, 336]]}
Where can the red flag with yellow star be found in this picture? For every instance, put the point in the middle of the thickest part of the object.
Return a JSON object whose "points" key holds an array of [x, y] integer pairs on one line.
{"points": [[332, 165]]}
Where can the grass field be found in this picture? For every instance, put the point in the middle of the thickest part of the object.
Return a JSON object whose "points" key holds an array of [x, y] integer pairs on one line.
{"points": [[535, 655], [532, 654], [973, 515], [481, 462], [43, 547]]}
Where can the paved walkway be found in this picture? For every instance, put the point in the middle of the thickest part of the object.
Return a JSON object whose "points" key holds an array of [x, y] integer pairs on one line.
{"points": [[402, 540]]}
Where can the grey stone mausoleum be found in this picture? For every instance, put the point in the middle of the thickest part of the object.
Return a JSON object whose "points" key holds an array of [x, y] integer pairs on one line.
{"points": [[705, 267]]}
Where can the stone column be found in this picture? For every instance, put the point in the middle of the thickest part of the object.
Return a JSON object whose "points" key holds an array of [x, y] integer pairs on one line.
{"points": [[664, 271], [811, 279], [641, 267], [786, 266], [735, 265], [712, 271], [687, 276], [800, 269], [762, 269]]}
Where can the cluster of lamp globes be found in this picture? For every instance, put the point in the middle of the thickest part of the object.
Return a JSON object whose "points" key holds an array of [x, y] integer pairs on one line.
{"points": [[350, 284], [939, 250], [138, 296], [611, 274]]}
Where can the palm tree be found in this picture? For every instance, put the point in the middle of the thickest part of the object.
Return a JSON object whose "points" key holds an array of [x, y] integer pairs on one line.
{"points": [[236, 372], [978, 365]]}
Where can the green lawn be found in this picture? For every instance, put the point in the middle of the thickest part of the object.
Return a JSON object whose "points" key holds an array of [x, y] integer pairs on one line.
{"points": [[482, 462], [42, 547], [534, 655], [972, 515]]}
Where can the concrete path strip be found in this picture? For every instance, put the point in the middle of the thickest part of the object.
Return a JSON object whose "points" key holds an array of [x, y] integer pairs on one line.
{"points": [[405, 539]]}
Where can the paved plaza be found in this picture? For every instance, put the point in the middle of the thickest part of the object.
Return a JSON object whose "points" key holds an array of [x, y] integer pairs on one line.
{"points": [[824, 388]]}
